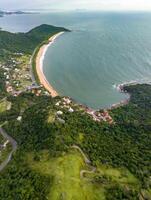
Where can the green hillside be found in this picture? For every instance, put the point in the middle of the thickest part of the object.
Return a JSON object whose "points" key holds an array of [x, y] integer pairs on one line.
{"points": [[46, 167], [27, 42]]}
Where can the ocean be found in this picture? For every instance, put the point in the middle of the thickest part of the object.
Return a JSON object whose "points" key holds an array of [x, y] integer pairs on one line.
{"points": [[102, 50]]}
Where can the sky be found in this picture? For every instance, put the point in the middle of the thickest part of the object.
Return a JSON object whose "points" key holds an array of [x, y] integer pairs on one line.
{"points": [[76, 4]]}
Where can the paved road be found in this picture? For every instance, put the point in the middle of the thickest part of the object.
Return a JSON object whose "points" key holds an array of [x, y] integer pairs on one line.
{"points": [[14, 147], [87, 162], [82, 172], [31, 69]]}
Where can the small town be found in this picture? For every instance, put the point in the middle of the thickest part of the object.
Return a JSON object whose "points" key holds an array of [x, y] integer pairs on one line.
{"points": [[99, 116], [18, 78]]}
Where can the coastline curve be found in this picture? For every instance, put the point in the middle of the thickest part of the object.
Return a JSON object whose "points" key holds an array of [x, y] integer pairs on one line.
{"points": [[40, 55], [39, 65]]}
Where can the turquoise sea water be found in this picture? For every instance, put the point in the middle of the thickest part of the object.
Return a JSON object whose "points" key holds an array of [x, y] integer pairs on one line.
{"points": [[102, 50]]}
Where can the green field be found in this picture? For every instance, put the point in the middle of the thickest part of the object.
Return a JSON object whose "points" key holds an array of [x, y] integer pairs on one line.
{"points": [[4, 105], [122, 176], [67, 183]]}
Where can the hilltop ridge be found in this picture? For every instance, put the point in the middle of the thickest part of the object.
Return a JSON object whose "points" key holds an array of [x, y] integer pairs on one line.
{"points": [[27, 42]]}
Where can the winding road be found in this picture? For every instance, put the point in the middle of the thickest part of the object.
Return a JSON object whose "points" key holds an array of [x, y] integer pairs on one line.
{"points": [[14, 147], [87, 162]]}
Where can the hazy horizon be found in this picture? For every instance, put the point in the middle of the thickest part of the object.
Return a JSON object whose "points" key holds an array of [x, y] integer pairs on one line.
{"points": [[106, 5]]}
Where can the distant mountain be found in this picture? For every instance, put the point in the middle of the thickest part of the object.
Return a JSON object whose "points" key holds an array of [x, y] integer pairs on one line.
{"points": [[18, 12], [1, 13]]}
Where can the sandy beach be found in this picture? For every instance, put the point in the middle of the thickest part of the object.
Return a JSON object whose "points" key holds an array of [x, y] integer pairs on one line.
{"points": [[39, 65]]}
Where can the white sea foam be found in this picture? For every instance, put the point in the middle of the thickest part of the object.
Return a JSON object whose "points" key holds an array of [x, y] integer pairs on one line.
{"points": [[119, 86]]}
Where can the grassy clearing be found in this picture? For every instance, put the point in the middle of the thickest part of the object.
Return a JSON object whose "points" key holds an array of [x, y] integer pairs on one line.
{"points": [[80, 137], [23, 60], [121, 176], [67, 183], [4, 105], [51, 117]]}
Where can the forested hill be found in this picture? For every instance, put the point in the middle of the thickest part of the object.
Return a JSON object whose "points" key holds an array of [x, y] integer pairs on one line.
{"points": [[120, 152], [27, 42]]}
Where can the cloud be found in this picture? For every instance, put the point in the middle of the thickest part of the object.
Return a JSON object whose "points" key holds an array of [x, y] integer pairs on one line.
{"points": [[75, 4]]}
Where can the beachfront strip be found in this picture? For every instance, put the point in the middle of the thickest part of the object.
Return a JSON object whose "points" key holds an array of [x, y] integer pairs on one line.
{"points": [[39, 65]]}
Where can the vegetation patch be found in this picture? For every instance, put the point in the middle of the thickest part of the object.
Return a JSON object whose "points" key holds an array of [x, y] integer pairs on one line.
{"points": [[4, 105], [51, 116], [5, 152], [67, 183], [27, 42], [65, 171]]}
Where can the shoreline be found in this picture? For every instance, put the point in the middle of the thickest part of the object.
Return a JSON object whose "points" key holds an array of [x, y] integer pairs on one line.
{"points": [[45, 83], [39, 65], [121, 89]]}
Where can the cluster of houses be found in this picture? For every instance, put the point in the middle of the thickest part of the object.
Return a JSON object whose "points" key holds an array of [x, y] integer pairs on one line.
{"points": [[66, 102], [58, 117], [7, 69], [11, 90], [14, 77], [99, 116]]}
